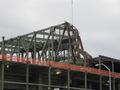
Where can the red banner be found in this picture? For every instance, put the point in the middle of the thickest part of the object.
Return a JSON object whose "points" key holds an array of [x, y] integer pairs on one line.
{"points": [[59, 65]]}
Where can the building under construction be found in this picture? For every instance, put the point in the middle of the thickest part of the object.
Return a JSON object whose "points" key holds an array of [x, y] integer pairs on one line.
{"points": [[54, 59]]}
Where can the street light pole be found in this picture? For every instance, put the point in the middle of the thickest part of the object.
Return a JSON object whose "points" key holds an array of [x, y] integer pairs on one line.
{"points": [[109, 73]]}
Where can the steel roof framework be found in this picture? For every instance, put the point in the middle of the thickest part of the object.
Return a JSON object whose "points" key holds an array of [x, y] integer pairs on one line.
{"points": [[58, 46], [58, 43]]}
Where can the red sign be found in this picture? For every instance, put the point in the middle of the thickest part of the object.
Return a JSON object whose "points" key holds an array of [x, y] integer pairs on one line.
{"points": [[58, 65]]}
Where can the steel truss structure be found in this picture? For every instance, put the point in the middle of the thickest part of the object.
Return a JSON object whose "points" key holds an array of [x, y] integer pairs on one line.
{"points": [[53, 59], [58, 43]]}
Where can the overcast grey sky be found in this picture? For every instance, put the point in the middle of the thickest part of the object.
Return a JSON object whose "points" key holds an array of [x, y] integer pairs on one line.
{"points": [[98, 21]]}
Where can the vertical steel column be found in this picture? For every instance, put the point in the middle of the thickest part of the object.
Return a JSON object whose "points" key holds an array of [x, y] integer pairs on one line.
{"points": [[2, 76], [113, 78], [49, 70], [49, 78], [3, 57], [42, 50], [68, 79], [18, 39], [85, 80], [34, 46], [51, 58], [110, 78], [69, 52], [52, 42], [85, 73], [100, 80], [114, 88], [3, 47], [27, 73], [11, 52], [27, 77]]}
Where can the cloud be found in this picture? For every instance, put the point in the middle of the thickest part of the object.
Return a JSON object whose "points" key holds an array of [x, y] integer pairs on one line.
{"points": [[97, 20]]}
